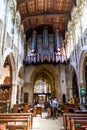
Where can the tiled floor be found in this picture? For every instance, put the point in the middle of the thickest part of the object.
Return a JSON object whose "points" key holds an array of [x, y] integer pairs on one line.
{"points": [[42, 123]]}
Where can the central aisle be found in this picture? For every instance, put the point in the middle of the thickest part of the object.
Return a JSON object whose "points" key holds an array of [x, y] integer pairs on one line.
{"points": [[42, 123]]}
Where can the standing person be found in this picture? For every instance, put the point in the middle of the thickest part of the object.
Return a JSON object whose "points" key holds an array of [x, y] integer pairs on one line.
{"points": [[49, 109], [54, 108]]}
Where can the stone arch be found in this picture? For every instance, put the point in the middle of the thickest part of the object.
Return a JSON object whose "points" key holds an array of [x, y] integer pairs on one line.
{"points": [[49, 73], [21, 71], [81, 65], [43, 70], [8, 53], [46, 75]]}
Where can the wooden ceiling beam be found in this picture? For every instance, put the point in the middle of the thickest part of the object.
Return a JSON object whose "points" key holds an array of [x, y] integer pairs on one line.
{"points": [[19, 2], [49, 23], [51, 14], [59, 23]]}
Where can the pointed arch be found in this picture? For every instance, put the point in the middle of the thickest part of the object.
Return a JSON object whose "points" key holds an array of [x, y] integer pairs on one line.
{"points": [[81, 66], [10, 55], [21, 71], [39, 72]]}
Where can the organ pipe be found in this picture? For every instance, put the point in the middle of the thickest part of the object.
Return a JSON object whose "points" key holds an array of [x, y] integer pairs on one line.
{"points": [[57, 41], [34, 41], [45, 37]]}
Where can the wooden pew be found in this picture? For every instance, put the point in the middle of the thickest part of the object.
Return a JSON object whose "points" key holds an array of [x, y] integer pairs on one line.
{"points": [[18, 115], [77, 124], [21, 107], [26, 108], [70, 107], [67, 115], [37, 110], [13, 124], [75, 118], [81, 111]]}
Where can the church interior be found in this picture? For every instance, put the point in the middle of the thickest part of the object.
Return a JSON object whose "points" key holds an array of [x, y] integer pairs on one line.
{"points": [[43, 55]]}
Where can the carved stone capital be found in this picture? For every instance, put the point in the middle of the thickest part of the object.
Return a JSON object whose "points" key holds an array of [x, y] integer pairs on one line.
{"points": [[72, 25]]}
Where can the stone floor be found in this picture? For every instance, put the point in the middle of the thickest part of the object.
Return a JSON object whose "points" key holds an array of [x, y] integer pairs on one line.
{"points": [[42, 123]]}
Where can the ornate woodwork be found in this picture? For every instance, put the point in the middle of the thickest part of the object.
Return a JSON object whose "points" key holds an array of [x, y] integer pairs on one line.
{"points": [[45, 48], [5, 92], [5, 96]]}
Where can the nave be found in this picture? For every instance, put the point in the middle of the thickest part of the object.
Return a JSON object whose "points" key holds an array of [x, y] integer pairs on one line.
{"points": [[43, 55], [42, 123]]}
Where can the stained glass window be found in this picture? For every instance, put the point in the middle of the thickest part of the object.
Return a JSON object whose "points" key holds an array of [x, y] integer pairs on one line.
{"points": [[42, 87]]}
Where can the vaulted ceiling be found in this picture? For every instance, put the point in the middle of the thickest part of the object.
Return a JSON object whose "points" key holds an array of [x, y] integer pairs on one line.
{"points": [[37, 13]]}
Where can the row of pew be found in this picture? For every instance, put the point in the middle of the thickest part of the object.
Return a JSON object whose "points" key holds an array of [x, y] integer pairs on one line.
{"points": [[21, 117], [13, 121], [75, 121], [25, 108]]}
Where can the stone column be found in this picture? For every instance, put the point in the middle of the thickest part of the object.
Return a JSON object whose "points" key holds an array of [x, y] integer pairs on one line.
{"points": [[29, 88], [34, 41], [31, 92], [45, 37], [57, 41], [57, 87], [13, 95], [63, 81], [19, 94]]}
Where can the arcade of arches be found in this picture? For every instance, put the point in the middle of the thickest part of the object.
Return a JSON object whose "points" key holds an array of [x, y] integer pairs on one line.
{"points": [[43, 51]]}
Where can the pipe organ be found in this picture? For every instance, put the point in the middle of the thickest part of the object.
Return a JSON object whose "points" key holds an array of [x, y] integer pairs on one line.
{"points": [[45, 48]]}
